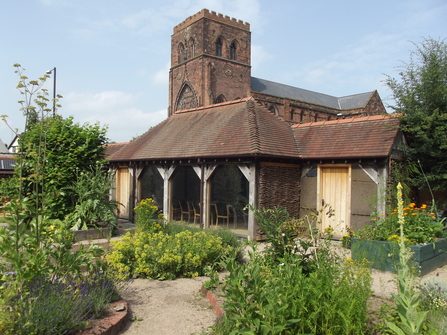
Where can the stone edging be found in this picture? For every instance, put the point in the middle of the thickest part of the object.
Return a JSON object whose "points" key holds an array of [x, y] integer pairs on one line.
{"points": [[215, 303], [112, 323]]}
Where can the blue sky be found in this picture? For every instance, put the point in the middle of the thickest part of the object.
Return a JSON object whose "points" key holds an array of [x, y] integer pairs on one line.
{"points": [[112, 56]]}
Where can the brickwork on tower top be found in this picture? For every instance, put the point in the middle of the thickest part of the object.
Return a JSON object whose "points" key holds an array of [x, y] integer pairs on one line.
{"points": [[213, 16]]}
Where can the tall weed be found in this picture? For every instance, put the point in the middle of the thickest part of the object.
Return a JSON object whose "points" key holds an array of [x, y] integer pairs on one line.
{"points": [[262, 297]]}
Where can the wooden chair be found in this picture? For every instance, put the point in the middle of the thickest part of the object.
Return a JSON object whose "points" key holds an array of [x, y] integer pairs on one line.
{"points": [[186, 211], [176, 210], [222, 216], [197, 211]]}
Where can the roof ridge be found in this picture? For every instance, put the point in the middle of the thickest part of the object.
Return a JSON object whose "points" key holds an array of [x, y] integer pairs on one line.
{"points": [[303, 89], [230, 102], [346, 120], [329, 95], [353, 95], [119, 143], [255, 141]]}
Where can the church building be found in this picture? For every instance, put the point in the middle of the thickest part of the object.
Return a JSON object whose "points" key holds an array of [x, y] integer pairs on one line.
{"points": [[232, 140]]}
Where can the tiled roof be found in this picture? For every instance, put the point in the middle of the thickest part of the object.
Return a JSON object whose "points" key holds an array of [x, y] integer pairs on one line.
{"points": [[7, 162], [291, 92], [113, 148], [235, 128], [359, 137]]}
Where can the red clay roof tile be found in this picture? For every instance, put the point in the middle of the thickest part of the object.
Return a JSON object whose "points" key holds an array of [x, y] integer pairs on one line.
{"points": [[235, 128], [361, 137]]}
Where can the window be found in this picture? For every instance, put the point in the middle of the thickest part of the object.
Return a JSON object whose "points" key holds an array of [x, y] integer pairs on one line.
{"points": [[233, 51], [220, 99], [272, 109], [219, 47], [181, 53], [187, 99], [292, 113], [192, 48]]}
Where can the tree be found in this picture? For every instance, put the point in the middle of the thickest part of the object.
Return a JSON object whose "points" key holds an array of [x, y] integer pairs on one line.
{"points": [[68, 149], [53, 151], [421, 99]]}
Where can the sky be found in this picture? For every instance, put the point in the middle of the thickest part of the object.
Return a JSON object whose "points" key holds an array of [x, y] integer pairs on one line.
{"points": [[112, 57]]}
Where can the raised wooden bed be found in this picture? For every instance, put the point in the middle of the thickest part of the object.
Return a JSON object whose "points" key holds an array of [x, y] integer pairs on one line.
{"points": [[385, 255], [92, 234]]}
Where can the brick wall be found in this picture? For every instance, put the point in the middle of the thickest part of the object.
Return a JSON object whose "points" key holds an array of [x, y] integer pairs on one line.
{"points": [[207, 74]]}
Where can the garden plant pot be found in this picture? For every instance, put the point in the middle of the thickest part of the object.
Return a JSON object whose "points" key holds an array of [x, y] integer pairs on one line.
{"points": [[384, 255]]}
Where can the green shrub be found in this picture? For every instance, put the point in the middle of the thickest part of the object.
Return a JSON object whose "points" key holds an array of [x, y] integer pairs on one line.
{"points": [[92, 188], [434, 300], [55, 305], [262, 297], [8, 187], [8, 317], [421, 226], [147, 216], [162, 256], [229, 239], [173, 228]]}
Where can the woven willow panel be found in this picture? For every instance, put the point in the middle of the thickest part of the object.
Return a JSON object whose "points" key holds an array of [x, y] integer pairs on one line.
{"points": [[280, 186]]}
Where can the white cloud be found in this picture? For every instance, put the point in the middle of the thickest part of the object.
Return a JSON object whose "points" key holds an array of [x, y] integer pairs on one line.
{"points": [[162, 75], [146, 22], [358, 67], [99, 102], [118, 110], [259, 56]]}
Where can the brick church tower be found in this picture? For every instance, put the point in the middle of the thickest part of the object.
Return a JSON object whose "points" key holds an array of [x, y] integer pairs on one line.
{"points": [[210, 61]]}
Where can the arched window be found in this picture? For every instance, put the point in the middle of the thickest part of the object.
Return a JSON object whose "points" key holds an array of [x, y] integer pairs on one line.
{"points": [[233, 51], [219, 99], [192, 48], [272, 109], [316, 117], [219, 44], [187, 99], [292, 113], [301, 115], [181, 53]]}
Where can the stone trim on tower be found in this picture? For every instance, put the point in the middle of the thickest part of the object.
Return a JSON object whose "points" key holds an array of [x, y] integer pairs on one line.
{"points": [[213, 16]]}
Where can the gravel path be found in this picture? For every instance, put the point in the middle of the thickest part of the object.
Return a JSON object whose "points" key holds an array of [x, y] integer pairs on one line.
{"points": [[173, 307]]}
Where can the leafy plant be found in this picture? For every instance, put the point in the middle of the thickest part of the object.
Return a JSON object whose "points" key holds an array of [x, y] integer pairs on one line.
{"points": [[8, 188], [278, 229], [161, 256], [421, 226], [91, 189], [55, 305], [148, 216], [420, 98], [263, 297], [68, 149], [25, 258], [407, 299]]}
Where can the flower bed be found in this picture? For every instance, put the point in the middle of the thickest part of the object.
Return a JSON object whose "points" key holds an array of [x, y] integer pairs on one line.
{"points": [[384, 255]]}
